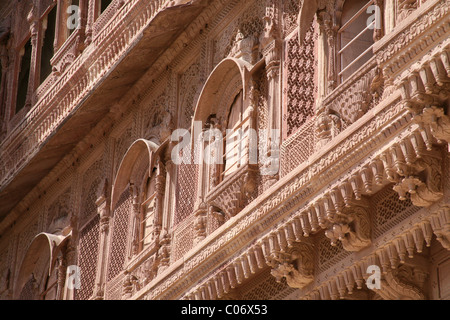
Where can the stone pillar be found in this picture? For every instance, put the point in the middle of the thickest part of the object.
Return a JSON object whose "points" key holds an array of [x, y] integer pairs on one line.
{"points": [[104, 213], [71, 258], [165, 237], [271, 46], [331, 35], [159, 189], [378, 31], [62, 267], [91, 16], [33, 82]]}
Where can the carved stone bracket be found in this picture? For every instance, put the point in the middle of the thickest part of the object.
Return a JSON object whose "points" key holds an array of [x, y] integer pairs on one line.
{"points": [[328, 126], [405, 282], [438, 122], [352, 228], [296, 265], [423, 180], [440, 223]]}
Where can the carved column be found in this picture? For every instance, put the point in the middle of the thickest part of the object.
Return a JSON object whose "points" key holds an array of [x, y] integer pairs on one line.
{"points": [[70, 260], [159, 188], [200, 223], [33, 20], [91, 16], [62, 267], [331, 35], [136, 245], [327, 125], [165, 238], [61, 24], [271, 46], [104, 212], [378, 31]]}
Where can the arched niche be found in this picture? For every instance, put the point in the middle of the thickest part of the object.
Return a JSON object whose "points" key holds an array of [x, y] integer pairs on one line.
{"points": [[308, 9], [39, 261], [224, 83], [141, 180], [220, 177], [144, 150]]}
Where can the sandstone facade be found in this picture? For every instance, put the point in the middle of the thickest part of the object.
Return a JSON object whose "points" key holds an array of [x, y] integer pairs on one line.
{"points": [[93, 93]]}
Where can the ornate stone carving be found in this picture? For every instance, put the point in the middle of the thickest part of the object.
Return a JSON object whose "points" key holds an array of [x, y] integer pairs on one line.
{"points": [[405, 282], [200, 223], [328, 125], [440, 223], [296, 265], [243, 47], [352, 228], [231, 195], [405, 8], [438, 121], [422, 178]]}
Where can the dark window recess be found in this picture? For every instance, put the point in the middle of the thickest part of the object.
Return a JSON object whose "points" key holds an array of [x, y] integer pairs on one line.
{"points": [[1, 94], [47, 47], [24, 76], [104, 4]]}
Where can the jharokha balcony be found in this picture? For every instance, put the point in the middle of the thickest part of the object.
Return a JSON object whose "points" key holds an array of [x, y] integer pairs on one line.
{"points": [[348, 100], [124, 40]]}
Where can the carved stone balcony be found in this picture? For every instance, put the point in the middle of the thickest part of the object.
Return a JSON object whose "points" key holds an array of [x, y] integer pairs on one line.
{"points": [[354, 97], [34, 146], [65, 56], [231, 195]]}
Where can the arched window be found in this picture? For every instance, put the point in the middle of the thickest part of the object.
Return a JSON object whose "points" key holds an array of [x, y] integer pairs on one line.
{"points": [[355, 37], [24, 76], [48, 49], [234, 136]]}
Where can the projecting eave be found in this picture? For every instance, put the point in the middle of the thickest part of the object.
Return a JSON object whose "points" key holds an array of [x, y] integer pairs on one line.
{"points": [[136, 59]]}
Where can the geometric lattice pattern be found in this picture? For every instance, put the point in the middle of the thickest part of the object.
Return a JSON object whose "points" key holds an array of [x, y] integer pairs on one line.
{"points": [[301, 87], [28, 291], [298, 147], [265, 287], [186, 191], [390, 210], [290, 14], [183, 238], [87, 258], [89, 198], [119, 235], [328, 254]]}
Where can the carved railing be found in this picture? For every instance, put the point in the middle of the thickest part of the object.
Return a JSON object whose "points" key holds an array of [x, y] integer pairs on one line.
{"points": [[183, 238], [65, 55], [354, 97], [60, 99], [107, 15], [298, 147]]}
